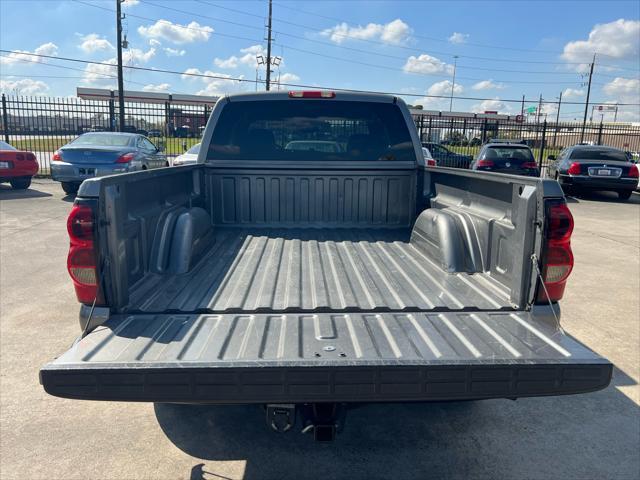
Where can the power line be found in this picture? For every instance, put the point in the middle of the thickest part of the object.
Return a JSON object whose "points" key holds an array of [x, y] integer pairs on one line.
{"points": [[297, 85], [417, 50], [316, 15]]}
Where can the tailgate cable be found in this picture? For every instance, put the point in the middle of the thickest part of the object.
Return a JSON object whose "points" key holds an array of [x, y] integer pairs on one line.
{"points": [[534, 260]]}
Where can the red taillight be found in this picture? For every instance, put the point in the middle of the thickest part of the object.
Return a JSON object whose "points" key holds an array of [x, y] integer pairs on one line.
{"points": [[81, 261], [125, 158], [633, 171], [574, 169], [19, 156], [431, 162], [485, 163], [312, 94], [557, 257], [80, 225], [56, 156], [529, 165], [31, 157]]}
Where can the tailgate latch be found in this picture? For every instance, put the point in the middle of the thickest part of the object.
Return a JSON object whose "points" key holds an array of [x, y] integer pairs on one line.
{"points": [[281, 416]]}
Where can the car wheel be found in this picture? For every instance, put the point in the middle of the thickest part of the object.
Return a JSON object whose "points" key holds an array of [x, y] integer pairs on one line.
{"points": [[70, 188], [21, 183], [624, 194]]}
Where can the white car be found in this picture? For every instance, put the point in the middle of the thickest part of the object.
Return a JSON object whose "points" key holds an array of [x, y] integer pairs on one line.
{"points": [[429, 160], [189, 157]]}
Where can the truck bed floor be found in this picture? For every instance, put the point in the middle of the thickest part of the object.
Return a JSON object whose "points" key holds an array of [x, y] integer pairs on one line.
{"points": [[315, 270]]}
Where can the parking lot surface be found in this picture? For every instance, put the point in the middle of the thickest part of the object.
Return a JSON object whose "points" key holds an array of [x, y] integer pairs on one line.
{"points": [[575, 437]]}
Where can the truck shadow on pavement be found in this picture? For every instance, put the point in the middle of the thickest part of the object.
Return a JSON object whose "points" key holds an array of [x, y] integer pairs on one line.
{"points": [[580, 436], [8, 193]]}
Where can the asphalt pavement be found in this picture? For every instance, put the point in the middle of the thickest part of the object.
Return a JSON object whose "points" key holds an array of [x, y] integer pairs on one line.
{"points": [[575, 437]]}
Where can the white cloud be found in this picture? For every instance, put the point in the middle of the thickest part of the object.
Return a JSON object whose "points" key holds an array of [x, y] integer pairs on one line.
{"points": [[176, 33], [174, 52], [426, 64], [488, 85], [491, 105], [622, 86], [625, 90], [289, 78], [160, 87], [394, 32], [220, 85], [50, 49], [130, 3], [444, 88], [100, 73], [572, 92], [458, 38], [93, 42], [25, 86], [154, 43], [247, 57], [231, 62], [619, 39]]}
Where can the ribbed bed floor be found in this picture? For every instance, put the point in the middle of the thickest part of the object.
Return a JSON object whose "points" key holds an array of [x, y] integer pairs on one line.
{"points": [[273, 270]]}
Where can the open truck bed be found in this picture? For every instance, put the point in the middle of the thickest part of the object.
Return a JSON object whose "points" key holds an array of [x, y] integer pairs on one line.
{"points": [[314, 270], [266, 274]]}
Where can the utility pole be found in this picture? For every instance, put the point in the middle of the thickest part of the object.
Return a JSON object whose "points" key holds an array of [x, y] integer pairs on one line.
{"points": [[453, 84], [539, 110], [268, 82], [522, 107], [555, 132], [586, 105], [120, 79]]}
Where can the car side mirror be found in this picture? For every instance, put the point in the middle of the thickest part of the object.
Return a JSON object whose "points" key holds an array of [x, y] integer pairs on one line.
{"points": [[551, 157]]}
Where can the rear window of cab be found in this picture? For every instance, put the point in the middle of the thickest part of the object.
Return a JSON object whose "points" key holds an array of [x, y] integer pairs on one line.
{"points": [[311, 130]]}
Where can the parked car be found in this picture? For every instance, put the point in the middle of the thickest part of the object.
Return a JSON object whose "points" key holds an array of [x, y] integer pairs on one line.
{"points": [[155, 133], [593, 167], [189, 157], [428, 158], [447, 158], [103, 153], [16, 166], [306, 281], [512, 158]]}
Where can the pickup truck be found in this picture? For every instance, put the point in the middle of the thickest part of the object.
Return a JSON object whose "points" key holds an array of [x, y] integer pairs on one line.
{"points": [[309, 280]]}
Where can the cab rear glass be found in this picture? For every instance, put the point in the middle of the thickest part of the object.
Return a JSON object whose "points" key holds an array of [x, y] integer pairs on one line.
{"points": [[311, 130]]}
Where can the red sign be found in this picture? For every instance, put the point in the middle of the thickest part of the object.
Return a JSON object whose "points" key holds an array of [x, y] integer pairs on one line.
{"points": [[519, 118]]}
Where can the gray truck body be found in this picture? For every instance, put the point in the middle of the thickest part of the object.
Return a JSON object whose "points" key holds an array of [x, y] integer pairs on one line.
{"points": [[293, 282]]}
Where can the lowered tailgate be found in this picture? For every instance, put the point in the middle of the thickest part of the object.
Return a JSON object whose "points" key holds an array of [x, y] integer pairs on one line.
{"points": [[356, 357]]}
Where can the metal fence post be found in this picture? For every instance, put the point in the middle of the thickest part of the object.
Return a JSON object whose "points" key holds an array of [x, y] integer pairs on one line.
{"points": [[429, 134], [544, 135], [112, 116], [5, 118], [600, 134]]}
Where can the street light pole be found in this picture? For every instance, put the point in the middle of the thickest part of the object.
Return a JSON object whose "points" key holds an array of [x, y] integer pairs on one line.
{"points": [[121, 114], [268, 80], [453, 84]]}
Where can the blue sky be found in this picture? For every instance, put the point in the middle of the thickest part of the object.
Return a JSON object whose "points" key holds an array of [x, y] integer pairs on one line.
{"points": [[506, 49]]}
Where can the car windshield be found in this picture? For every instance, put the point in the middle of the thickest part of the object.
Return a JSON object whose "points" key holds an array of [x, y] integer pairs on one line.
{"points": [[518, 154], [194, 150], [6, 146], [102, 140], [599, 154], [311, 130]]}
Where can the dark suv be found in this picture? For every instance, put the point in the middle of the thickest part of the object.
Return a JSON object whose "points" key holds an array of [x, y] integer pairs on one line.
{"points": [[513, 158]]}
